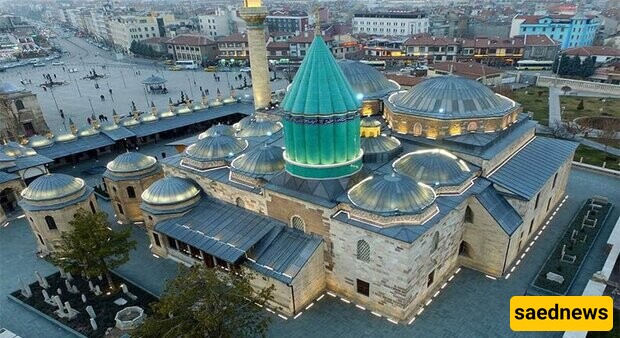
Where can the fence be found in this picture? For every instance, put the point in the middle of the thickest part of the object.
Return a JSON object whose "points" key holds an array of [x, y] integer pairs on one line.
{"points": [[602, 88]]}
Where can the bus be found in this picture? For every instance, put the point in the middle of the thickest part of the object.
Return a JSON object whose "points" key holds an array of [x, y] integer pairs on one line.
{"points": [[186, 64], [380, 65], [534, 65]]}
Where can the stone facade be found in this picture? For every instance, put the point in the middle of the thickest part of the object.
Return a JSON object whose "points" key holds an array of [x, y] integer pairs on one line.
{"points": [[127, 208], [9, 196], [21, 115]]}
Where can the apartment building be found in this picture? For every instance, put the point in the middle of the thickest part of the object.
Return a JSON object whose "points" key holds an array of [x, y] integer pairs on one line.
{"points": [[432, 48], [391, 23], [192, 47], [287, 20], [570, 30], [128, 28], [219, 23]]}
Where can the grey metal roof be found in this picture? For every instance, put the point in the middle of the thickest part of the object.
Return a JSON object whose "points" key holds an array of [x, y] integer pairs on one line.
{"points": [[29, 162], [531, 167], [216, 147], [222, 129], [391, 194], [153, 80], [38, 141], [14, 149], [130, 162], [52, 186], [434, 167], [81, 144], [6, 177], [451, 97], [380, 144], [260, 127], [170, 190], [86, 192], [503, 213], [366, 80], [118, 133], [10, 88], [219, 229], [260, 161]]}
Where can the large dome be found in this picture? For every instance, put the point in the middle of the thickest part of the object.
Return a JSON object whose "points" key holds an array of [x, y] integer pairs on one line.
{"points": [[434, 167], [260, 127], [366, 80], [130, 162], [391, 194], [169, 190], [14, 149], [260, 161], [218, 129], [216, 147], [52, 186], [451, 97]]}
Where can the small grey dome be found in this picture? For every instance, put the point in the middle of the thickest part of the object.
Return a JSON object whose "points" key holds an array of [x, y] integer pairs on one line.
{"points": [[129, 122], [391, 194], [87, 131], [52, 186], [169, 190], [216, 147], [434, 167], [221, 129], [14, 149], [366, 80], [380, 149], [244, 122], [449, 97], [38, 141], [10, 88], [260, 127], [65, 137], [370, 122], [130, 162], [260, 161]]}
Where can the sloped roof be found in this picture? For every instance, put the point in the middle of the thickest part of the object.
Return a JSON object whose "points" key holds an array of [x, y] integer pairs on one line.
{"points": [[192, 40], [519, 176], [320, 87], [592, 51], [503, 213]]}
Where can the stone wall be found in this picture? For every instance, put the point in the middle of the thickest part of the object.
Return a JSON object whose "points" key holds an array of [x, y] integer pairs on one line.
{"points": [[310, 282], [131, 206], [601, 88]]}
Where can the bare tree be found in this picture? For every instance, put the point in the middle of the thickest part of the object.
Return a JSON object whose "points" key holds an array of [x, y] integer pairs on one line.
{"points": [[566, 89], [568, 130]]}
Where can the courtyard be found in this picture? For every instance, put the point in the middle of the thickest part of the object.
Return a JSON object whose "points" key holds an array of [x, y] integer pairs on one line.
{"points": [[462, 309]]}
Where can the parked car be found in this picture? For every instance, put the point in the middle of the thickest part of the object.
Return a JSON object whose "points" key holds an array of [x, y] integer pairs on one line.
{"points": [[169, 62], [33, 61], [58, 63], [175, 68], [407, 70], [211, 69], [39, 64], [245, 69]]}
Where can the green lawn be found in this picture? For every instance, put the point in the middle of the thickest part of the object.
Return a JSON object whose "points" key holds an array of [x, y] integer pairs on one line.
{"points": [[535, 100], [596, 157], [591, 107]]}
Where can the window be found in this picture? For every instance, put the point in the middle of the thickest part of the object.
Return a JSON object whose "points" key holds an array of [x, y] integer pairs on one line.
{"points": [[92, 207], [40, 239], [536, 203], [549, 203], [156, 238], [120, 208], [298, 223], [51, 224], [19, 105], [435, 242], [555, 178], [363, 287], [240, 202], [469, 215], [363, 251], [172, 243], [472, 127], [531, 226], [431, 278], [131, 192], [464, 249], [417, 129]]}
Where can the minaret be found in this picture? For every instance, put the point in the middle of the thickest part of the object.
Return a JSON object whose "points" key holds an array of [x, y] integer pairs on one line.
{"points": [[321, 119], [254, 15]]}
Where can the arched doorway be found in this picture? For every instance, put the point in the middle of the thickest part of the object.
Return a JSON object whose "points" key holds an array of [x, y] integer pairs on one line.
{"points": [[8, 201]]}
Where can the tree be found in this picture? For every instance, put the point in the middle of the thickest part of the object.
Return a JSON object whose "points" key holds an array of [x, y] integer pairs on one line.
{"points": [[566, 89], [91, 247], [203, 302], [587, 67], [580, 105]]}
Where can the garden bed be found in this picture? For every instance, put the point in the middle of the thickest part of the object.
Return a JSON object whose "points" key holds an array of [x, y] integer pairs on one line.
{"points": [[579, 249], [103, 305]]}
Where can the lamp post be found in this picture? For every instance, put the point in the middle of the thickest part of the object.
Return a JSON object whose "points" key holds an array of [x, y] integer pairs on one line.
{"points": [[603, 106], [78, 87], [557, 71]]}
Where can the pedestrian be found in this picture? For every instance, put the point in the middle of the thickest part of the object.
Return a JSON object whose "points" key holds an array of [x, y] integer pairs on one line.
{"points": [[62, 114], [105, 118], [88, 120], [207, 91], [29, 81], [110, 90], [44, 88], [63, 69], [200, 88], [54, 76]]}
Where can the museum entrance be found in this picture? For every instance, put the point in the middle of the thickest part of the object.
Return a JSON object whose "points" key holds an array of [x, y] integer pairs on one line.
{"points": [[8, 201]]}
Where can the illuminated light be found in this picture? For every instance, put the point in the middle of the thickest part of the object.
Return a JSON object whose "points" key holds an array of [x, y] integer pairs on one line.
{"points": [[491, 277], [321, 297], [527, 249], [21, 216], [420, 311], [360, 307], [297, 315], [119, 222], [544, 227], [359, 96], [270, 310], [283, 317], [258, 305], [331, 294], [555, 212], [376, 314], [150, 245], [507, 276], [411, 321], [154, 255], [457, 271], [444, 285], [109, 228], [518, 262], [436, 294], [536, 238], [392, 321], [513, 269], [429, 301], [345, 300], [309, 306], [108, 293]]}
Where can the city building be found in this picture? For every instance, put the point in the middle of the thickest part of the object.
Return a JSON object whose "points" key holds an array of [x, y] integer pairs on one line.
{"points": [[391, 23], [493, 50], [539, 47], [601, 54], [20, 113], [433, 48], [128, 28], [233, 47], [472, 70], [285, 20], [570, 30], [219, 23], [192, 47]]}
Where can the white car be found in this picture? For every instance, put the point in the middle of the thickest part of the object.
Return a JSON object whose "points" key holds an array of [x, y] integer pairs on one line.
{"points": [[245, 69], [407, 70], [59, 63]]}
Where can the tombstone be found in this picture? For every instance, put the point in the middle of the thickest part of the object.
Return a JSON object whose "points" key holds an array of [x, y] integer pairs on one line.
{"points": [[46, 296], [70, 311], [25, 289], [42, 281], [91, 312], [58, 303], [63, 274], [83, 298], [91, 287], [126, 292], [567, 258], [555, 277], [100, 277], [59, 291], [74, 289], [69, 277], [97, 290], [93, 324], [67, 285]]}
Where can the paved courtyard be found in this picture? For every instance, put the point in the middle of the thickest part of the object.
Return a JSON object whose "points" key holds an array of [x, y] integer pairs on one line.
{"points": [[470, 306], [75, 97]]}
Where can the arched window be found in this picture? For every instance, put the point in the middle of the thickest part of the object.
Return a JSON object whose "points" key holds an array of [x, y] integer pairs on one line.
{"points": [[363, 250], [298, 223], [465, 249], [131, 192], [469, 215], [120, 208], [19, 105], [472, 126], [435, 242], [51, 224], [240, 203], [92, 207], [417, 129]]}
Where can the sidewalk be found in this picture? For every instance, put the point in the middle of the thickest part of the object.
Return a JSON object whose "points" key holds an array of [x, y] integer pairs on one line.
{"points": [[599, 146]]}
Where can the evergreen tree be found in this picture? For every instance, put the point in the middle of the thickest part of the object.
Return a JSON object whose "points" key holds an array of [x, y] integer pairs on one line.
{"points": [[587, 67], [564, 64], [580, 105], [134, 47]]}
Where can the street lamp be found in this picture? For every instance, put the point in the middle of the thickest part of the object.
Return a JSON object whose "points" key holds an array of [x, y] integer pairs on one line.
{"points": [[603, 106]]}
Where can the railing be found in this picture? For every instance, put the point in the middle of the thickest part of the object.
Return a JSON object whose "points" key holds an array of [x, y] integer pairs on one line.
{"points": [[603, 88]]}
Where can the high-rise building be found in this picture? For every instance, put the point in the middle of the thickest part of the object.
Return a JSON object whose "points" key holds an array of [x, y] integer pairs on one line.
{"points": [[282, 20]]}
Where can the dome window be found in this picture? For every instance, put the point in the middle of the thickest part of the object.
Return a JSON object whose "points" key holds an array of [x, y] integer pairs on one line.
{"points": [[417, 129], [472, 127]]}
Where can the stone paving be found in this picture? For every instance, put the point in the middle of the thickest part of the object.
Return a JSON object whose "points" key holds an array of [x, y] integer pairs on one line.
{"points": [[470, 306]]}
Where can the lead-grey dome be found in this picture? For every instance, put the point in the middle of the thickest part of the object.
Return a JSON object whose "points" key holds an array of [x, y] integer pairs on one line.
{"points": [[380, 149], [451, 97], [216, 147], [38, 141], [10, 88], [391, 194], [260, 127], [222, 129], [131, 162], [244, 122], [169, 190], [366, 80], [262, 160], [14, 149], [52, 186], [434, 167], [370, 122]]}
